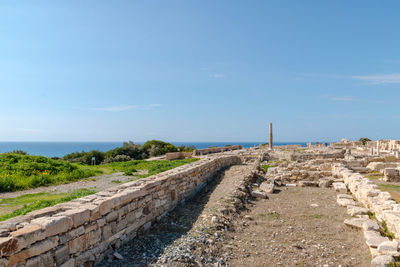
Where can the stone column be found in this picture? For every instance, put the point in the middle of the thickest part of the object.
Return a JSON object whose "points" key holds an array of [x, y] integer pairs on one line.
{"points": [[270, 136]]}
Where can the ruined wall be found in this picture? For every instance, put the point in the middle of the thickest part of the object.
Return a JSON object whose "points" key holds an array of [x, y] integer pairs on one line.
{"points": [[178, 155], [211, 150], [374, 199], [82, 231]]}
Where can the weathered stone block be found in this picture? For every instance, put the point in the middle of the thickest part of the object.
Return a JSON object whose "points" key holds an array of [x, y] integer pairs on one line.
{"points": [[53, 225]]}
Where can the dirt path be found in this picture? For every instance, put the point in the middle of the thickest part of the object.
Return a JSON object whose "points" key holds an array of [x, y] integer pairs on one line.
{"points": [[299, 226], [169, 242], [97, 183]]}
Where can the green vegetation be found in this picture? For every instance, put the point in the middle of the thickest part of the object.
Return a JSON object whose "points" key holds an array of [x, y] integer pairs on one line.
{"points": [[383, 229], [18, 172], [364, 140], [128, 151], [393, 189], [316, 216], [270, 215], [133, 166], [396, 264], [31, 202], [266, 167]]}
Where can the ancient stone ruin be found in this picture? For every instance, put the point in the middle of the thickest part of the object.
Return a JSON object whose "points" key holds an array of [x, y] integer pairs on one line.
{"points": [[97, 229]]}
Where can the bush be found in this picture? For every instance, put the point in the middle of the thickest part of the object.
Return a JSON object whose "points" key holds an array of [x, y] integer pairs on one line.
{"points": [[128, 149], [86, 157], [117, 158], [157, 148]]}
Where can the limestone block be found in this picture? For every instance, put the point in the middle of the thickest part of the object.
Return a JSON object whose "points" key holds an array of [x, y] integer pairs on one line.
{"points": [[344, 202], [78, 216], [36, 249], [8, 246], [389, 248], [339, 187], [308, 183], [267, 187], [28, 235], [54, 225], [355, 222], [259, 194], [354, 210], [370, 225], [62, 255], [78, 244], [382, 261]]}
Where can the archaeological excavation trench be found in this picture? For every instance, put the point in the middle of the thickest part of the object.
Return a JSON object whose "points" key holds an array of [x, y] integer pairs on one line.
{"points": [[254, 207]]}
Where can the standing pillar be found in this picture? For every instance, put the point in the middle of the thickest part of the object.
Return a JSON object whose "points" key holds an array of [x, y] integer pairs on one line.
{"points": [[270, 136]]}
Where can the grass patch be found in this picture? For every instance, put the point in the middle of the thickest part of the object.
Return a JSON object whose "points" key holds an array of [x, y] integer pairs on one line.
{"points": [[394, 190], [31, 202], [19, 172], [153, 166], [316, 216], [265, 167], [116, 181], [269, 215]]}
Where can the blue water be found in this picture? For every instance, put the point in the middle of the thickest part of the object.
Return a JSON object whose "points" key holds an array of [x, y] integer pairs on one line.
{"points": [[59, 149]]}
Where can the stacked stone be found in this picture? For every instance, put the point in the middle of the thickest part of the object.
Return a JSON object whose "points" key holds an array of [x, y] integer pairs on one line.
{"points": [[381, 203], [82, 231]]}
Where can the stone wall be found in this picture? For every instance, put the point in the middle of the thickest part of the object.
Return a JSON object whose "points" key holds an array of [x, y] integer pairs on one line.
{"points": [[369, 195], [178, 155], [82, 231], [211, 150]]}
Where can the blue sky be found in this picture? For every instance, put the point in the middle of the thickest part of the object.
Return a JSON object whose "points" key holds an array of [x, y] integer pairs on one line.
{"points": [[199, 70]]}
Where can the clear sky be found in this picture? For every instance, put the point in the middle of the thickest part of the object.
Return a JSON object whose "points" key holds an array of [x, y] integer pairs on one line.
{"points": [[199, 70]]}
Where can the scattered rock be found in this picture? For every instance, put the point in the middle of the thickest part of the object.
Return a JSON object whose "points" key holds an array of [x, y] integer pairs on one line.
{"points": [[354, 210], [375, 241], [369, 225], [389, 248], [259, 194], [382, 261], [267, 187], [339, 187], [308, 183], [118, 256], [355, 222]]}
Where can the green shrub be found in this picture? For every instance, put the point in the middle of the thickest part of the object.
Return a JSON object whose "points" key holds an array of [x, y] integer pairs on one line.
{"points": [[129, 149], [157, 148]]}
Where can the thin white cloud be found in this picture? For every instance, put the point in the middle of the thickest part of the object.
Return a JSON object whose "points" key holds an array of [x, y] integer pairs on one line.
{"points": [[379, 79], [339, 98], [127, 107], [342, 98], [218, 75]]}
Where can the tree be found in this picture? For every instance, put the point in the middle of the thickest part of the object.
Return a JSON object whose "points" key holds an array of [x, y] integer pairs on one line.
{"points": [[364, 140]]}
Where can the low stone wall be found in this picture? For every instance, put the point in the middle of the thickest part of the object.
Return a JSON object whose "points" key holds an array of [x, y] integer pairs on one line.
{"points": [[369, 195], [211, 150], [82, 231], [178, 155]]}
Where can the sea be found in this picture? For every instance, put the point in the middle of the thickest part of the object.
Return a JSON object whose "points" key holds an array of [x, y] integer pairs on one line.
{"points": [[59, 149]]}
